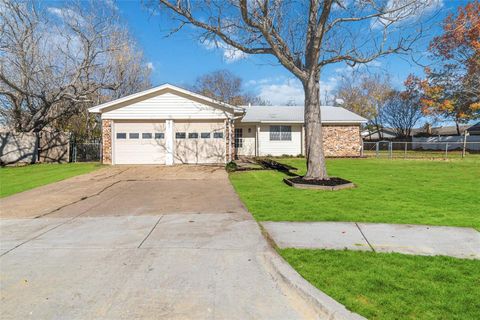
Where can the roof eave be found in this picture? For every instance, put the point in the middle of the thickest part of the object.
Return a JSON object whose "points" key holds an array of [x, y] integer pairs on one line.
{"points": [[99, 108]]}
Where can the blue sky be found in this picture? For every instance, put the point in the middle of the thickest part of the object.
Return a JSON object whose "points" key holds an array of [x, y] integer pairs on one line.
{"points": [[181, 58]]}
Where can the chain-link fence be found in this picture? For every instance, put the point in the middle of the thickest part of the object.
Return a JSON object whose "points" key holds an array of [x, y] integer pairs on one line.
{"points": [[420, 150], [86, 152]]}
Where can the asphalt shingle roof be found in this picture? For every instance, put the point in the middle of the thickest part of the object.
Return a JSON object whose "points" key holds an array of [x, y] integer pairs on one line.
{"points": [[296, 114]]}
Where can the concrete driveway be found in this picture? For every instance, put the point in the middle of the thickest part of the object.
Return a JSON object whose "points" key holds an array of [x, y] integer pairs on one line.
{"points": [[138, 242]]}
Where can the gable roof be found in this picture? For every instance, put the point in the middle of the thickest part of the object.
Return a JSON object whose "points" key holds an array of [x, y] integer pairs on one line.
{"points": [[159, 90], [295, 114], [475, 128]]}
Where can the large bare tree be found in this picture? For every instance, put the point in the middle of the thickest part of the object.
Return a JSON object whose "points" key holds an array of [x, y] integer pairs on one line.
{"points": [[55, 61], [225, 86], [403, 109], [367, 95], [305, 36]]}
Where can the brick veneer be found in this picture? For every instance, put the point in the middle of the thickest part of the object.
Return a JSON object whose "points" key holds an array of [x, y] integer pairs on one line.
{"points": [[230, 135], [342, 141], [107, 141]]}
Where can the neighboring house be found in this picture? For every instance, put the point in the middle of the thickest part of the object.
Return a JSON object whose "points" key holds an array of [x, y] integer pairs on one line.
{"points": [[169, 125], [382, 134], [439, 131], [474, 130]]}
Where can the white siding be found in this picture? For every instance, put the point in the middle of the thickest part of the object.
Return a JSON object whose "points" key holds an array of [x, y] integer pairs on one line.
{"points": [[278, 148], [167, 105]]}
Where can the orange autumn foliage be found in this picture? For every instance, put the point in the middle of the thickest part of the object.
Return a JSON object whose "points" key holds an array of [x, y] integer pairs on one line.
{"points": [[453, 90]]}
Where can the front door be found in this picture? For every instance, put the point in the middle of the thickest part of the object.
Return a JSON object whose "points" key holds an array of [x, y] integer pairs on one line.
{"points": [[238, 140]]}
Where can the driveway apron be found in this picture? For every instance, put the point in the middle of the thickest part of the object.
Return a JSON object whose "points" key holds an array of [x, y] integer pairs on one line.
{"points": [[138, 242]]}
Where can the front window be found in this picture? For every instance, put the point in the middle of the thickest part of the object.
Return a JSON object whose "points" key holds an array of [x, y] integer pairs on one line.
{"points": [[134, 135], [192, 135], [218, 135], [280, 133]]}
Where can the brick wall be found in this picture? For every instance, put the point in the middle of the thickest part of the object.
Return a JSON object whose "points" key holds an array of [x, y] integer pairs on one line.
{"points": [[230, 135], [342, 141], [107, 141]]}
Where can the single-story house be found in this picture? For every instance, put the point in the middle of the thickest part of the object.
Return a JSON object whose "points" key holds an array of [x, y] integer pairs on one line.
{"points": [[382, 134], [474, 130], [170, 125]]}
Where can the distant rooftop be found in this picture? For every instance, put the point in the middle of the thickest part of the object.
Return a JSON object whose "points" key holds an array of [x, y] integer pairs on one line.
{"points": [[296, 114]]}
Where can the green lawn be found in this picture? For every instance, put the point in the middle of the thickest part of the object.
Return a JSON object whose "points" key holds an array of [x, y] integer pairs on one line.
{"points": [[393, 286], [18, 179], [391, 191]]}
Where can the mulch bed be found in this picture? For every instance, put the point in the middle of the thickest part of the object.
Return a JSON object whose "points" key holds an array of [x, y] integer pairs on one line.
{"points": [[334, 183]]}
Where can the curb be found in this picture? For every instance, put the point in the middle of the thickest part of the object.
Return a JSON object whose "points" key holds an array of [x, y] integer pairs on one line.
{"points": [[327, 307]]}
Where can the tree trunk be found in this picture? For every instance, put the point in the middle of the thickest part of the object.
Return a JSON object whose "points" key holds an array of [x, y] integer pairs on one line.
{"points": [[316, 168], [458, 127]]}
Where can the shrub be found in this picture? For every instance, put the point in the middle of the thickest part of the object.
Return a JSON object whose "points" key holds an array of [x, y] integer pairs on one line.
{"points": [[231, 166]]}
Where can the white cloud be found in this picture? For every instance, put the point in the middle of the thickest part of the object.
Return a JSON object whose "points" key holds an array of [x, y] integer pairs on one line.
{"points": [[282, 91], [230, 54], [290, 91], [64, 13], [150, 66], [405, 10]]}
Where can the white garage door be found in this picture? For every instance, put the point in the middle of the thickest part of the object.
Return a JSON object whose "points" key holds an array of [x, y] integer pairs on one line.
{"points": [[139, 143], [199, 142]]}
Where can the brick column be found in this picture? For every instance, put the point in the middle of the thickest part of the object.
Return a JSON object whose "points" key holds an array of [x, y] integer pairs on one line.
{"points": [[107, 141], [230, 136]]}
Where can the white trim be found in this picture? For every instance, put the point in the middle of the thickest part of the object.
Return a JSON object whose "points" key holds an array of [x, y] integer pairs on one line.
{"points": [[154, 117], [98, 109], [302, 122]]}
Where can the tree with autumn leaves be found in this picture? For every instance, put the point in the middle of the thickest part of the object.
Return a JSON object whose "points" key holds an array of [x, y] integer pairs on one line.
{"points": [[452, 89]]}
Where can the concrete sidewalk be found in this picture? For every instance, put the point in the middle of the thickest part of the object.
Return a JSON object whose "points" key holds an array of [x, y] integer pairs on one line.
{"points": [[380, 237]]}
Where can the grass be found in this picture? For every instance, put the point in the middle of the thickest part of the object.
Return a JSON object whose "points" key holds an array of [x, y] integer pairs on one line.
{"points": [[389, 191], [18, 179], [393, 286]]}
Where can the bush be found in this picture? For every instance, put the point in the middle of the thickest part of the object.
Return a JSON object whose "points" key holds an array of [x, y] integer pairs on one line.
{"points": [[231, 166]]}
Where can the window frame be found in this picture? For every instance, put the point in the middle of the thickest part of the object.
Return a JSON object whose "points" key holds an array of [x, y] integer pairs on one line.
{"points": [[284, 133], [161, 134], [218, 135], [121, 138], [133, 133], [208, 135], [180, 135], [192, 133], [147, 133]]}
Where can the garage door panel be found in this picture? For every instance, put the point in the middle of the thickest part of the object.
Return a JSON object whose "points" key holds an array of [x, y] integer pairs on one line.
{"points": [[199, 150], [144, 150], [149, 150]]}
